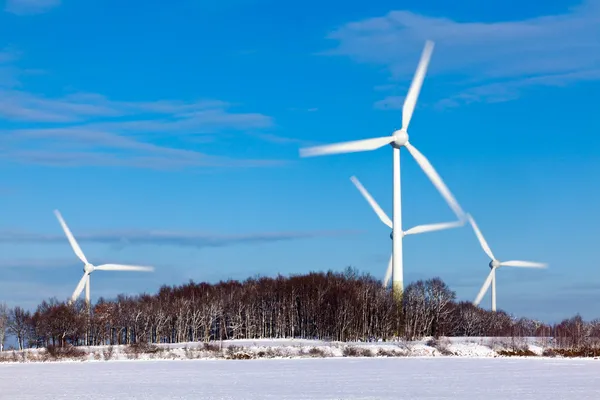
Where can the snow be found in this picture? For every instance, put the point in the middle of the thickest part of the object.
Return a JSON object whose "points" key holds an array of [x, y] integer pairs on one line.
{"points": [[477, 347], [323, 378]]}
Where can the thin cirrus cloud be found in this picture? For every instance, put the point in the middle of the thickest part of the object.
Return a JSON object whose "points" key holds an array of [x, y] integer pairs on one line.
{"points": [[489, 61], [30, 7], [89, 129], [181, 239]]}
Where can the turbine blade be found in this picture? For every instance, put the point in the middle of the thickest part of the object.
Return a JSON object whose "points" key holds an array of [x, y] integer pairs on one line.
{"points": [[79, 287], [380, 213], [524, 264], [70, 237], [119, 267], [436, 180], [434, 227], [484, 288], [415, 86], [346, 147], [482, 241], [388, 273]]}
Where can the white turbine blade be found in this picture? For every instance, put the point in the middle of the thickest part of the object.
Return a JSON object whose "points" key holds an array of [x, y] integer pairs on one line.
{"points": [[484, 288], [388, 273], [380, 213], [482, 241], [524, 264], [119, 267], [437, 181], [72, 240], [433, 227], [415, 86], [346, 147], [79, 287]]}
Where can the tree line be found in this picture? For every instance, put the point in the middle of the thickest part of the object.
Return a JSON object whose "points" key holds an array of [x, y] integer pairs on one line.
{"points": [[342, 306]]}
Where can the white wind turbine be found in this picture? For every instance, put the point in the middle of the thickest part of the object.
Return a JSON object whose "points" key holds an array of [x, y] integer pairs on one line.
{"points": [[495, 264], [397, 140], [387, 221], [89, 268]]}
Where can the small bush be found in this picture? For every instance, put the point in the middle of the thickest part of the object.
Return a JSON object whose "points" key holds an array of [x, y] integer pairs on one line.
{"points": [[549, 353], [316, 352], [579, 352], [136, 349], [231, 350], [385, 353], [189, 353], [364, 352], [276, 352], [58, 353], [517, 353], [352, 351], [211, 347], [238, 353], [108, 352], [241, 356], [441, 345]]}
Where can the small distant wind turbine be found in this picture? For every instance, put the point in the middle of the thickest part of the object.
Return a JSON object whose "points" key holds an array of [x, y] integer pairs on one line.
{"points": [[89, 268], [387, 221], [495, 264], [398, 139]]}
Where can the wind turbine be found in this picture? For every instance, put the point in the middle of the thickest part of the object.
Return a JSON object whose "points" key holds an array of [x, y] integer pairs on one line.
{"points": [[495, 264], [387, 221], [89, 268], [397, 140]]}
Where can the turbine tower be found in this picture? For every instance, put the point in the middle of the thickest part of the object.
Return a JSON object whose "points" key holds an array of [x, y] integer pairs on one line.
{"points": [[387, 221], [89, 268], [397, 140], [494, 265]]}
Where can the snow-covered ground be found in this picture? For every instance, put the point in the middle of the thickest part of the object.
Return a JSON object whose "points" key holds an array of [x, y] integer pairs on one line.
{"points": [[314, 379]]}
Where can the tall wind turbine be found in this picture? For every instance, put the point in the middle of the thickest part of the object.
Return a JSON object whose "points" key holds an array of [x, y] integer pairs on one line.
{"points": [[397, 140], [495, 264], [89, 268], [387, 221]]}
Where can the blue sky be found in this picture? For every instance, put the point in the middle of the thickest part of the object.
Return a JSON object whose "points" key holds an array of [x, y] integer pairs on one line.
{"points": [[134, 118]]}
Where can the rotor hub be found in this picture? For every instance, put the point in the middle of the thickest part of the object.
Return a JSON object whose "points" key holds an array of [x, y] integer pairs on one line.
{"points": [[88, 268], [494, 264], [400, 138]]}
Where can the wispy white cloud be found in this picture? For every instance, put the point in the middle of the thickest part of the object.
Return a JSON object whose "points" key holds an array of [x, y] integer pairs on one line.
{"points": [[277, 139], [91, 129], [183, 239], [509, 55], [30, 7], [36, 264], [7, 55], [509, 90], [8, 72], [80, 146], [390, 103]]}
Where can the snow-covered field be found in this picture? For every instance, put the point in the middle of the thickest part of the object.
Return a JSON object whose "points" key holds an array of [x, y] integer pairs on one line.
{"points": [[323, 378]]}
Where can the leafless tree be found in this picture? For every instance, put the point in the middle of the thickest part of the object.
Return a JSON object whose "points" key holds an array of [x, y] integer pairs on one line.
{"points": [[319, 305], [3, 324], [19, 324]]}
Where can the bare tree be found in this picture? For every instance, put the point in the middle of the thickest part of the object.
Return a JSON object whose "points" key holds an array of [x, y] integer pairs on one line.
{"points": [[19, 323], [3, 324], [318, 305]]}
